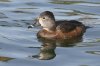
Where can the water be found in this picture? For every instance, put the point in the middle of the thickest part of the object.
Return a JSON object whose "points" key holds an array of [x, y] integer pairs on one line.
{"points": [[19, 46]]}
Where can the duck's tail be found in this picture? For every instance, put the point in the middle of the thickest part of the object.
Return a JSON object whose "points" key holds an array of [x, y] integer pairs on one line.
{"points": [[86, 27]]}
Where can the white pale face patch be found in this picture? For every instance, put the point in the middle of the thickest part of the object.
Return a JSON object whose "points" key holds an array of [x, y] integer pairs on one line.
{"points": [[41, 21], [47, 22]]}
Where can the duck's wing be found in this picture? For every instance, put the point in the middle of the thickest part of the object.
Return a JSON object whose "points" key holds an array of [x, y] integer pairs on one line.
{"points": [[67, 26]]}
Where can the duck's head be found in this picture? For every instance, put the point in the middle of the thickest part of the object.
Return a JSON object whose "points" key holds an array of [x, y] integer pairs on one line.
{"points": [[47, 20]]}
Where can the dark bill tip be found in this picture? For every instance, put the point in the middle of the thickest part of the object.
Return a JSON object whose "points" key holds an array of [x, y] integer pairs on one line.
{"points": [[30, 26]]}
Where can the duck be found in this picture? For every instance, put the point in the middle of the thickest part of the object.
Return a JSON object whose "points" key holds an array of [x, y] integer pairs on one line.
{"points": [[61, 29]]}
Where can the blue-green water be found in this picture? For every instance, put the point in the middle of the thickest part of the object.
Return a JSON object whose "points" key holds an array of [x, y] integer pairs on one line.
{"points": [[20, 43]]}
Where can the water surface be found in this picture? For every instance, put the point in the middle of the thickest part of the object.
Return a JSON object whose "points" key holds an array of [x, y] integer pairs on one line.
{"points": [[19, 46]]}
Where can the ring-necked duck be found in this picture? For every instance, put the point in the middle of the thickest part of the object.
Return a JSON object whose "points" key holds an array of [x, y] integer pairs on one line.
{"points": [[61, 29]]}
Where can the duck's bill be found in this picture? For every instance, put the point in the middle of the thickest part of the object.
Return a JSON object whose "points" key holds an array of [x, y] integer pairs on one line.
{"points": [[30, 26], [35, 23]]}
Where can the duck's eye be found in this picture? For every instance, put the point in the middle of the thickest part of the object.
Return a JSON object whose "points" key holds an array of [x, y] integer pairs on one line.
{"points": [[43, 17]]}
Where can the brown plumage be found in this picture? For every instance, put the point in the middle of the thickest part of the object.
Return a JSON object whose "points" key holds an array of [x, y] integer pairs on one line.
{"points": [[62, 29]]}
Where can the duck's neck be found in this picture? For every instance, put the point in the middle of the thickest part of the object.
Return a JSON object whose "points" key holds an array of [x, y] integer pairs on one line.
{"points": [[52, 29]]}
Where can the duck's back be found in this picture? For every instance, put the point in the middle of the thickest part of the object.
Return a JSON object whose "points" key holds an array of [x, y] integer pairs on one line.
{"points": [[67, 26], [70, 29]]}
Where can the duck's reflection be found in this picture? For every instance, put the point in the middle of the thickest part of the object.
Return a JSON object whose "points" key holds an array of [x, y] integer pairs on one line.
{"points": [[47, 50]]}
